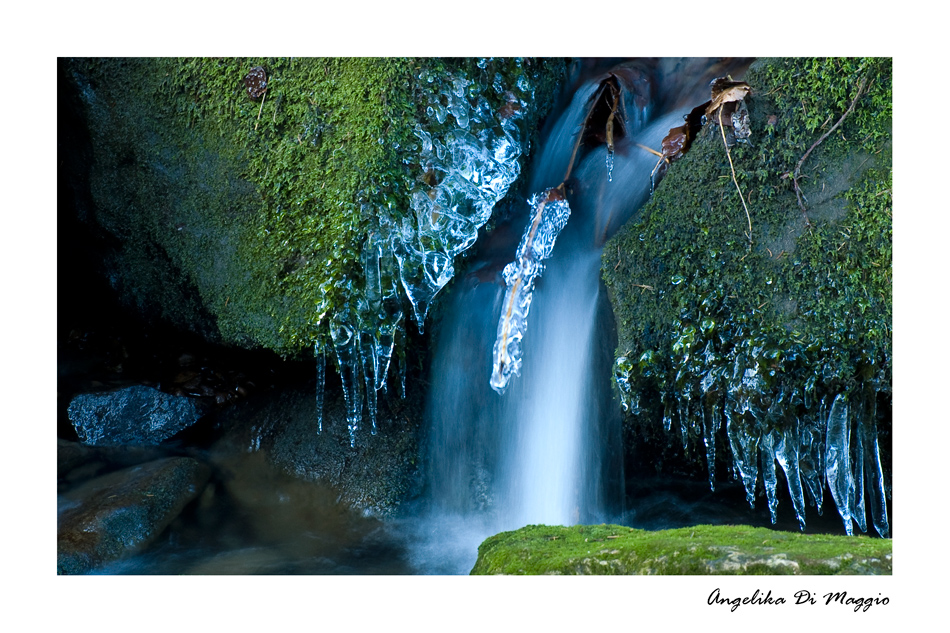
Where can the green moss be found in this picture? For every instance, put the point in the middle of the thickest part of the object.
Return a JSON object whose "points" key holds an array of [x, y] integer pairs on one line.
{"points": [[808, 308], [261, 209], [702, 549]]}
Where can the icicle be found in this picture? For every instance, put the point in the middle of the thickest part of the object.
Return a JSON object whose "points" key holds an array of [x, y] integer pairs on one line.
{"points": [[370, 367], [550, 214], [399, 336], [837, 468], [623, 385], [682, 409], [786, 451], [858, 510], [667, 415], [610, 165], [811, 457], [712, 418], [346, 345], [384, 351], [744, 453], [321, 378], [875, 474], [767, 452]]}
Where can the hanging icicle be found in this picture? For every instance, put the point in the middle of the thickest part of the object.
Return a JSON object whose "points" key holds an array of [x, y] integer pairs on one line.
{"points": [[549, 216]]}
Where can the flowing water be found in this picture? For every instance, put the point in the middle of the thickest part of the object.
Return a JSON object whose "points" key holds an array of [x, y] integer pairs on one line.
{"points": [[546, 449]]}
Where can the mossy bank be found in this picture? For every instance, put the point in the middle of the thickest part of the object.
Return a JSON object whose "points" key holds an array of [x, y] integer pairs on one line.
{"points": [[243, 218], [778, 323], [701, 549]]}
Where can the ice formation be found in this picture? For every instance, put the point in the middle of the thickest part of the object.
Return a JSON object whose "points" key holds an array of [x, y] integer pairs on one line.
{"points": [[817, 440], [469, 155], [550, 212]]}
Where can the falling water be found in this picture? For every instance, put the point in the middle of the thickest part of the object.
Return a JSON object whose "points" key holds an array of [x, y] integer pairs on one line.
{"points": [[546, 449]]}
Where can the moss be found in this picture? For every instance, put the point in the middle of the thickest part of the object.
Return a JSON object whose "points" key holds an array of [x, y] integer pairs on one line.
{"points": [[701, 549], [259, 207], [808, 308]]}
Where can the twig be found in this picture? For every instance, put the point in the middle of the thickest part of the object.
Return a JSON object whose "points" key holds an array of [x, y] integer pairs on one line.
{"points": [[650, 149], [580, 135], [798, 168], [729, 156], [261, 110]]}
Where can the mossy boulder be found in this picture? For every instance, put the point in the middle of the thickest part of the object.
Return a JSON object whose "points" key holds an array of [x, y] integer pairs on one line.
{"points": [[783, 319], [701, 549], [242, 216]]}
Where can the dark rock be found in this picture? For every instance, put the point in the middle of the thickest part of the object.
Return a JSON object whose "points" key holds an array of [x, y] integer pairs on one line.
{"points": [[377, 475], [76, 462], [69, 455], [135, 415], [120, 513]]}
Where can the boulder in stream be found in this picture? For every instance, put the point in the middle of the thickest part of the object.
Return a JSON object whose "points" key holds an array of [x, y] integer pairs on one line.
{"points": [[119, 514], [134, 415]]}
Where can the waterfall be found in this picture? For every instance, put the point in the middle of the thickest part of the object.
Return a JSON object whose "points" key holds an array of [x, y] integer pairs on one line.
{"points": [[548, 449]]}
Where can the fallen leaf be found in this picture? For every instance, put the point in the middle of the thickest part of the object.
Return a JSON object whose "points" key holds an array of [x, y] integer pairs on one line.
{"points": [[725, 90]]}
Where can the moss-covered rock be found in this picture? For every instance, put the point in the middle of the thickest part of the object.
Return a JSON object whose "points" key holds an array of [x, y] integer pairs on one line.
{"points": [[702, 549], [243, 218], [765, 331]]}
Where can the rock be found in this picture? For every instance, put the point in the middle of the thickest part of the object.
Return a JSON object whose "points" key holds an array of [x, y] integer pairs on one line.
{"points": [[701, 549], [763, 329], [77, 462], [377, 475], [134, 415], [231, 217], [119, 514], [69, 455]]}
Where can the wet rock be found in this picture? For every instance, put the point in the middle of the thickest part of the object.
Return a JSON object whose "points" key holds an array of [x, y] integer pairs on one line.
{"points": [[77, 462], [377, 475], [119, 514], [69, 455], [135, 415]]}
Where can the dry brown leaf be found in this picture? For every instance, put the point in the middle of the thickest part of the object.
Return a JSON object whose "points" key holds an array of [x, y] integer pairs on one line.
{"points": [[724, 91]]}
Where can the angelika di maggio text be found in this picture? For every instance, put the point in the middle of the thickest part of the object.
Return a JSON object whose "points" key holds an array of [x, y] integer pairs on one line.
{"points": [[800, 597]]}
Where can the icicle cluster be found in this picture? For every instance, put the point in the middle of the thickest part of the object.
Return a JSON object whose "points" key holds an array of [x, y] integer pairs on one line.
{"points": [[550, 212], [817, 438], [469, 157], [469, 167]]}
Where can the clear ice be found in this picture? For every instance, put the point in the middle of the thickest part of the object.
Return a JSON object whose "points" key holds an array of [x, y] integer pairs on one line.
{"points": [[321, 363], [837, 459], [469, 155], [817, 442], [549, 215]]}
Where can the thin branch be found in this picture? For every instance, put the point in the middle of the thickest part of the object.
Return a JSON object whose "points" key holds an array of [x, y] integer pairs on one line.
{"points": [[580, 135], [798, 168], [261, 110], [732, 167], [650, 149]]}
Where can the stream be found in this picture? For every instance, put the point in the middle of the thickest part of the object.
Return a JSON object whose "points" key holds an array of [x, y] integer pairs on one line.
{"points": [[522, 422]]}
